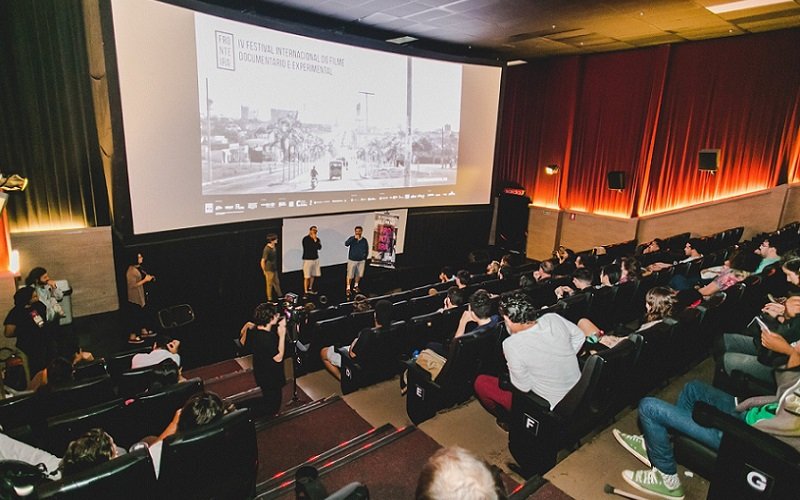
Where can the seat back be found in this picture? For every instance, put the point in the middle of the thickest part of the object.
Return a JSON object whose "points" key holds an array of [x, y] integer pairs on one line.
{"points": [[121, 361], [133, 382], [17, 411], [424, 329], [467, 355], [450, 320], [581, 403], [575, 307], [130, 476], [76, 395], [600, 305], [332, 331], [60, 430], [175, 316], [218, 460], [91, 369], [357, 321], [150, 413], [426, 304]]}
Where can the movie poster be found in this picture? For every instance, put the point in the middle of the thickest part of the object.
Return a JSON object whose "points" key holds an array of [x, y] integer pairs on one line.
{"points": [[384, 238]]}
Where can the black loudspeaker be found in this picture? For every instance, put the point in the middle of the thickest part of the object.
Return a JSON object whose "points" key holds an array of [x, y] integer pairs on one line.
{"points": [[708, 160], [616, 180], [511, 225]]}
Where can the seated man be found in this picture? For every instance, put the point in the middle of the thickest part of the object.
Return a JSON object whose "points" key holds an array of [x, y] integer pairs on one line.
{"points": [[582, 279], [656, 417], [446, 274], [541, 355], [360, 346], [476, 317], [545, 271], [454, 298], [770, 252], [692, 250], [164, 347], [463, 278], [741, 351]]}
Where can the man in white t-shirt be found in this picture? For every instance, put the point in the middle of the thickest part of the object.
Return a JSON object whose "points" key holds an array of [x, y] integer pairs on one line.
{"points": [[165, 347], [541, 355]]}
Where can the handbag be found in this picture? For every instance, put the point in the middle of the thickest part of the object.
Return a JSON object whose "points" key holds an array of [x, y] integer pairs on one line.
{"points": [[431, 362]]}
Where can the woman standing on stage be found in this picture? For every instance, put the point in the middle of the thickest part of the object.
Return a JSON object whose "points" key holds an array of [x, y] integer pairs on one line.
{"points": [[136, 279]]}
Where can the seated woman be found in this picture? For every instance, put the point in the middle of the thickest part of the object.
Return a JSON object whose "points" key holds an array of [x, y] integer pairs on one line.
{"points": [[630, 270], [659, 304], [726, 275]]}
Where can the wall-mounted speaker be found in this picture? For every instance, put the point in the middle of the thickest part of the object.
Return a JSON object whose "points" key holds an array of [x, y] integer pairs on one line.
{"points": [[708, 160], [616, 180]]}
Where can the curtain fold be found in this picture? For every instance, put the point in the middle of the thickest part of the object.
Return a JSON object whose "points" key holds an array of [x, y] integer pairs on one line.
{"points": [[618, 103], [47, 128], [737, 95], [538, 111], [648, 113]]}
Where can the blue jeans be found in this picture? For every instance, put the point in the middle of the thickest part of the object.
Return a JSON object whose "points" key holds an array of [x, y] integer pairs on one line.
{"points": [[656, 417], [741, 354]]}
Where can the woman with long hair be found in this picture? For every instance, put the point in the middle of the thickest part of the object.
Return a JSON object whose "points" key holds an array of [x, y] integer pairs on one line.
{"points": [[136, 278]]}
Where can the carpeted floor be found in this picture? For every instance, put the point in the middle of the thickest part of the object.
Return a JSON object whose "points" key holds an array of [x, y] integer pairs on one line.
{"points": [[296, 440]]}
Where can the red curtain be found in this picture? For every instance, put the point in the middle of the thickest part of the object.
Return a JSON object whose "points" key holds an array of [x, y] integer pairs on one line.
{"points": [[647, 113], [738, 95], [538, 110], [617, 107]]}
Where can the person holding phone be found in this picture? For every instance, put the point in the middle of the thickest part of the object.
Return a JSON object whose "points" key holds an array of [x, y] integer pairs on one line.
{"points": [[758, 352]]}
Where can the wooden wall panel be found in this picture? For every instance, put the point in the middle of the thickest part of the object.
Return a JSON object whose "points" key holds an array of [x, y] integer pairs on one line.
{"points": [[84, 257], [757, 212], [584, 231], [542, 232], [791, 208]]}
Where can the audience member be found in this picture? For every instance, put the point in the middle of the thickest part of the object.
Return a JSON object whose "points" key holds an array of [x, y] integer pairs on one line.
{"points": [[164, 347], [453, 298], [361, 345], [47, 290], [582, 279], [476, 317], [692, 251], [453, 473], [492, 268], [730, 273], [791, 268], [770, 252], [545, 271], [745, 352], [26, 321], [586, 261], [361, 303], [630, 271], [659, 305], [446, 274], [541, 355], [656, 418], [565, 264], [463, 278], [58, 372]]}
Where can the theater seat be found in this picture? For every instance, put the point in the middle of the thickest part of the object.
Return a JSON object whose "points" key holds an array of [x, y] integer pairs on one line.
{"points": [[466, 356], [218, 460], [130, 476], [60, 430], [381, 362], [149, 414], [537, 433], [749, 464], [17, 411], [76, 395]]}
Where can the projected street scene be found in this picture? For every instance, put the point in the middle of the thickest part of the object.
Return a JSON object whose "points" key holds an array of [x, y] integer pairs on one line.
{"points": [[284, 114]]}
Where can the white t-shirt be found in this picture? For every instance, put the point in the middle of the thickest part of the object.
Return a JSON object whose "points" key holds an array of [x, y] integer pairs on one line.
{"points": [[543, 358], [154, 357]]}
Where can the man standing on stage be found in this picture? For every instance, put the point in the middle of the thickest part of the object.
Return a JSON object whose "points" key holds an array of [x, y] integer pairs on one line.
{"points": [[269, 265], [356, 259], [311, 247]]}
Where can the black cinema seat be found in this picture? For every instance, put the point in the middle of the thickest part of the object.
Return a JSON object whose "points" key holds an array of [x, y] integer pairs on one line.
{"points": [[537, 433], [75, 395], [466, 357], [380, 362], [218, 460], [129, 476], [60, 430], [750, 463], [17, 411]]}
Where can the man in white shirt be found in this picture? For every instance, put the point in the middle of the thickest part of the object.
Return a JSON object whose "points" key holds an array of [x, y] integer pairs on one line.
{"points": [[164, 347], [541, 355]]}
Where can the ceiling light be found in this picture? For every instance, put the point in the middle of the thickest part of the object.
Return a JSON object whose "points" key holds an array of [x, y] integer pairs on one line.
{"points": [[402, 40], [551, 169], [516, 62], [742, 5]]}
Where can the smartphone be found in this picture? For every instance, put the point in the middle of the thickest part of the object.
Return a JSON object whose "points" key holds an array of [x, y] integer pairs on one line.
{"points": [[763, 325]]}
